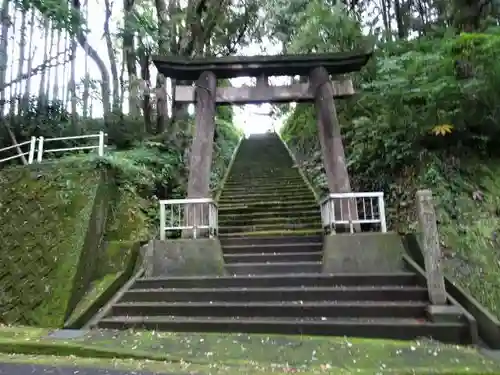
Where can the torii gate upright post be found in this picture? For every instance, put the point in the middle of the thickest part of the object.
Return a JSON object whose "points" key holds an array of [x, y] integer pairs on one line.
{"points": [[200, 157], [332, 148]]}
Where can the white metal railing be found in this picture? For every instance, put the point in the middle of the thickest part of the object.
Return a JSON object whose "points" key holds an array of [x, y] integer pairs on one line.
{"points": [[195, 215], [22, 146], [337, 209], [37, 146], [42, 148]]}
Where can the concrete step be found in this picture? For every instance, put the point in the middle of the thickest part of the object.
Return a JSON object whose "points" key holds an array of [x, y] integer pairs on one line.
{"points": [[234, 181], [265, 215], [267, 227], [283, 233], [278, 208], [314, 217], [339, 293], [263, 268], [274, 249], [266, 189], [402, 329], [280, 280], [273, 257], [249, 172], [270, 240], [328, 309], [257, 196]]}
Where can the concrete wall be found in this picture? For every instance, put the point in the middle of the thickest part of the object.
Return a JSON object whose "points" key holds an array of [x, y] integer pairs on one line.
{"points": [[363, 252], [183, 257]]}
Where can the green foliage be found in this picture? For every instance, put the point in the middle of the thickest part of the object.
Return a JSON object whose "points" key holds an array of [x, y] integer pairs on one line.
{"points": [[320, 23], [226, 139], [391, 134]]}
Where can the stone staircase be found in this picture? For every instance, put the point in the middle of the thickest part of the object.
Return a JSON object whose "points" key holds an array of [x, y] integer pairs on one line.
{"points": [[270, 231]]}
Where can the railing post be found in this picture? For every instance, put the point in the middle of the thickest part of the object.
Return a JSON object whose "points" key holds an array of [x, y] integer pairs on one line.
{"points": [[349, 200], [39, 155], [31, 154], [331, 214], [101, 143], [163, 219], [431, 247], [381, 211], [210, 220]]}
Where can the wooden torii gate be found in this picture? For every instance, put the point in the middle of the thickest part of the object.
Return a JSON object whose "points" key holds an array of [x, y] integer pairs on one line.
{"points": [[318, 89]]}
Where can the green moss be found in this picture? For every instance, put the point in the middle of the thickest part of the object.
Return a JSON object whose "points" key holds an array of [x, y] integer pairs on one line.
{"points": [[44, 218], [116, 264], [97, 289], [259, 354], [128, 219]]}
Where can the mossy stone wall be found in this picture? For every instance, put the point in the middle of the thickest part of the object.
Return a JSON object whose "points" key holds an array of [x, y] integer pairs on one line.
{"points": [[44, 218]]}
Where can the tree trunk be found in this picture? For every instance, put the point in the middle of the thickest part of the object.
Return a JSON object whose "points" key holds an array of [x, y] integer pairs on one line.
{"points": [[161, 82], [22, 60], [41, 88], [72, 88], [146, 105], [92, 53], [4, 51], [131, 58], [112, 58], [399, 19], [27, 88], [49, 75], [55, 88]]}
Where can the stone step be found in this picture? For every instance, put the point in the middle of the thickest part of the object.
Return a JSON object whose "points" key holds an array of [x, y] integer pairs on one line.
{"points": [[243, 220], [398, 329], [281, 207], [273, 257], [230, 216], [273, 249], [267, 233], [270, 240], [280, 280], [263, 268], [233, 181], [267, 227], [258, 196], [318, 309], [280, 160], [338, 293], [266, 189], [267, 201]]}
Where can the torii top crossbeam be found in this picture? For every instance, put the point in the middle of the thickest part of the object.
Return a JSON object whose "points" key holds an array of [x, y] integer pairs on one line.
{"points": [[262, 67], [255, 66]]}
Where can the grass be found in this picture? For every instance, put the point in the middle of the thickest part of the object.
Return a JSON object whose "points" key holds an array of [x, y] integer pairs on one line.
{"points": [[252, 354], [43, 222]]}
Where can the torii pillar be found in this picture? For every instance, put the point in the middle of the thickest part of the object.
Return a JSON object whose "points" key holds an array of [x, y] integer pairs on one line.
{"points": [[331, 142], [200, 157]]}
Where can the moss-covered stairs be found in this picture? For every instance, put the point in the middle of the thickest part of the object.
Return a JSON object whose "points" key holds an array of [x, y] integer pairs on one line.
{"points": [[270, 231], [268, 217]]}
